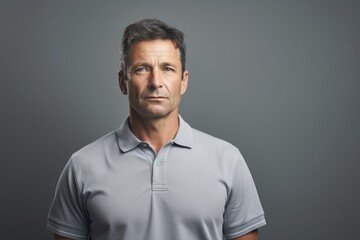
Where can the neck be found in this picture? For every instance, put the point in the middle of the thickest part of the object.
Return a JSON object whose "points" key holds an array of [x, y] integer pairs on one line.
{"points": [[156, 131]]}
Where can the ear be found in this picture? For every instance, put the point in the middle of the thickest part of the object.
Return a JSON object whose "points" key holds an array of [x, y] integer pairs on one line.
{"points": [[184, 82], [122, 82]]}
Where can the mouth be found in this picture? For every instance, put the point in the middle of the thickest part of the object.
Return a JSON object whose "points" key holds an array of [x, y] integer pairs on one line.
{"points": [[155, 98]]}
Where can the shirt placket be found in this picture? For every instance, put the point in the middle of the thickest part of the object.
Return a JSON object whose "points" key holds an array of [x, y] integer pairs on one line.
{"points": [[158, 164], [159, 169]]}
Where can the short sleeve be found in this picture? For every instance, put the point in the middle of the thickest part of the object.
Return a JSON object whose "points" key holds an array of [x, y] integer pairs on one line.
{"points": [[67, 216], [243, 212]]}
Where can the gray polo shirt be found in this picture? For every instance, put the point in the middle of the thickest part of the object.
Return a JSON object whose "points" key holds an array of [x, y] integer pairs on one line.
{"points": [[196, 187]]}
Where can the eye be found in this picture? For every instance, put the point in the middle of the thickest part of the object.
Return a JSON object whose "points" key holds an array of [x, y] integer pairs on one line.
{"points": [[141, 70], [168, 69]]}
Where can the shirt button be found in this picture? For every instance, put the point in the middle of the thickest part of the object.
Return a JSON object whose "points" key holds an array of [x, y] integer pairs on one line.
{"points": [[145, 145]]}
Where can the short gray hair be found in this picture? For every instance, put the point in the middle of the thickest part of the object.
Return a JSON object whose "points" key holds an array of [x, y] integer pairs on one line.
{"points": [[150, 29]]}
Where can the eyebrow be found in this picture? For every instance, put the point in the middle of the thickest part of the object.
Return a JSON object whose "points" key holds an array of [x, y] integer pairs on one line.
{"points": [[146, 64], [138, 64], [167, 64]]}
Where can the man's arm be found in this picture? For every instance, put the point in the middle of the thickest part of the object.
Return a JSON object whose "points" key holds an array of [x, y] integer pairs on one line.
{"points": [[250, 236], [57, 237]]}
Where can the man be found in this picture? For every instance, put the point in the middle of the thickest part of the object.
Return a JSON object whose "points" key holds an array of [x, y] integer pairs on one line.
{"points": [[155, 177]]}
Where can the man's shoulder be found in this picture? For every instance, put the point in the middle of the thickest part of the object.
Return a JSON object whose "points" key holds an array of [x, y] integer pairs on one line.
{"points": [[211, 141], [97, 148]]}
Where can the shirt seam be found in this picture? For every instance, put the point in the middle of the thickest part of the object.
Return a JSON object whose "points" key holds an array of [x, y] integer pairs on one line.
{"points": [[62, 224], [65, 232], [78, 186], [262, 215]]}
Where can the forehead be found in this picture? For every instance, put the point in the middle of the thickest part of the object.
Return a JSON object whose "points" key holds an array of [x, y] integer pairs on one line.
{"points": [[146, 50]]}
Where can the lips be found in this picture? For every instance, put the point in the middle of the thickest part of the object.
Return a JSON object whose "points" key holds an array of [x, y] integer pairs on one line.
{"points": [[155, 97]]}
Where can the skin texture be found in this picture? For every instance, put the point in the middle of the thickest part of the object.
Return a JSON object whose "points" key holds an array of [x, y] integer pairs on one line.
{"points": [[154, 85]]}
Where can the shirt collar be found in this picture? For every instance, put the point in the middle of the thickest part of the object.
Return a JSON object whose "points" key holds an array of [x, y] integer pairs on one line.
{"points": [[184, 137], [127, 140]]}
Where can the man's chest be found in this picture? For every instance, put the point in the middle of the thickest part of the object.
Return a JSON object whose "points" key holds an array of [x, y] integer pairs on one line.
{"points": [[161, 191]]}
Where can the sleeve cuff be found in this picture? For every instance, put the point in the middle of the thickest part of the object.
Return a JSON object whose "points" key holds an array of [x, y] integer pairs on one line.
{"points": [[69, 232], [245, 228]]}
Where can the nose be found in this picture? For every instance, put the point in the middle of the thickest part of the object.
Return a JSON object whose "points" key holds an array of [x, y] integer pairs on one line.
{"points": [[155, 79]]}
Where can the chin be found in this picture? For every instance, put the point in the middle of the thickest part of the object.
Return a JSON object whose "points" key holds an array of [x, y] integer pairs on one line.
{"points": [[158, 114]]}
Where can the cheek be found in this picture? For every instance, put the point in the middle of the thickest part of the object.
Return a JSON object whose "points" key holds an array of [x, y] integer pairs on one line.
{"points": [[134, 91], [178, 89], [134, 96]]}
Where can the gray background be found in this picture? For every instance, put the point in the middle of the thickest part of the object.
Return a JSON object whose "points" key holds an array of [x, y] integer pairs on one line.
{"points": [[279, 79]]}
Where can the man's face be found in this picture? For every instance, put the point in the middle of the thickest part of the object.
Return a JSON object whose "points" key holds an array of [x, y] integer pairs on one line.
{"points": [[155, 79]]}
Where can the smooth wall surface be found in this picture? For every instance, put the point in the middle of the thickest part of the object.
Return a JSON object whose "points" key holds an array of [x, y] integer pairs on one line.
{"points": [[278, 79]]}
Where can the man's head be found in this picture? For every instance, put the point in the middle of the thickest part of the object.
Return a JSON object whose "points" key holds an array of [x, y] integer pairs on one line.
{"points": [[150, 29], [153, 71]]}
